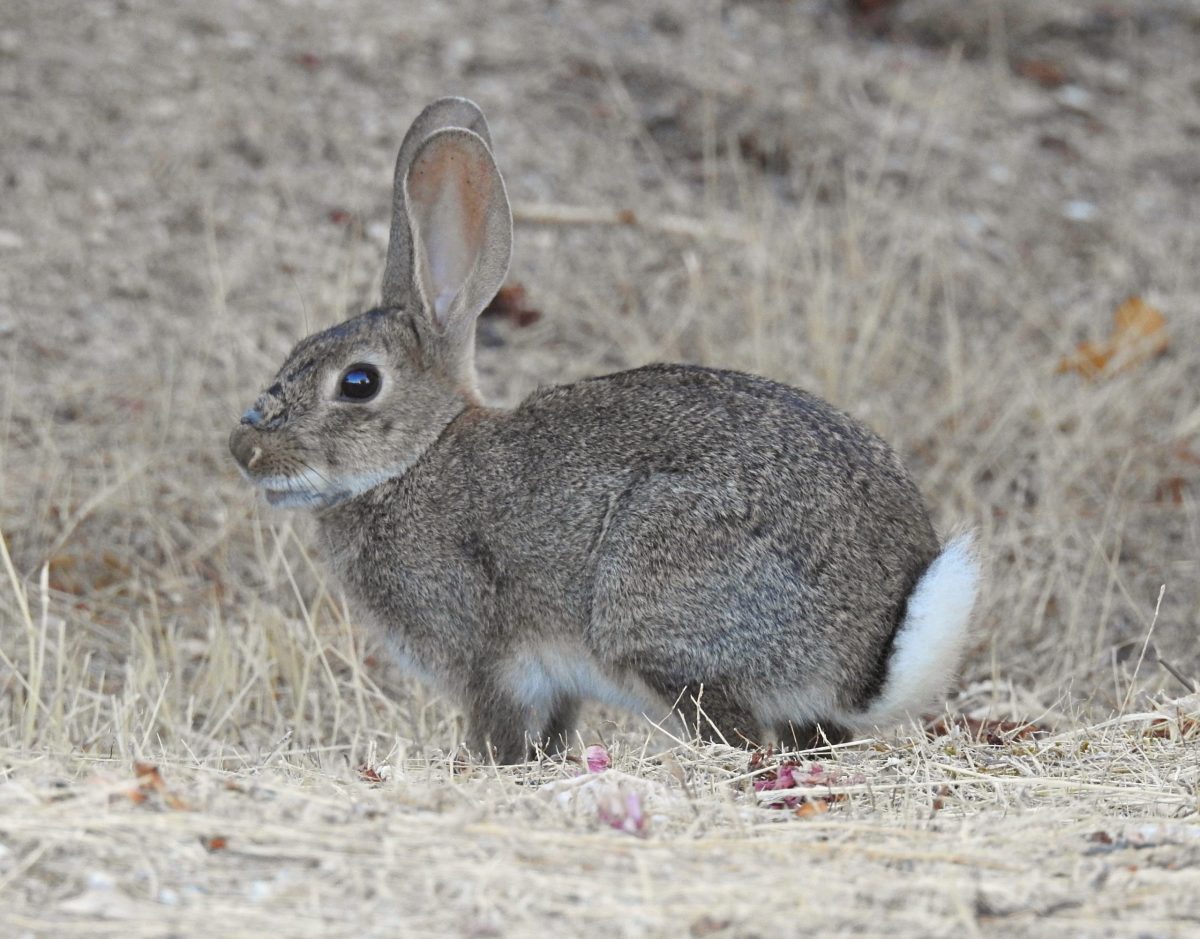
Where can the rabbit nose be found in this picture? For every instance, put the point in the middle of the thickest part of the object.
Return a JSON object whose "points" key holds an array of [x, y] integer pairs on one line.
{"points": [[243, 444]]}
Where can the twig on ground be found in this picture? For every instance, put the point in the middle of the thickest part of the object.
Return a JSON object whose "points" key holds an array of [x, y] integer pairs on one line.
{"points": [[552, 213], [1187, 683]]}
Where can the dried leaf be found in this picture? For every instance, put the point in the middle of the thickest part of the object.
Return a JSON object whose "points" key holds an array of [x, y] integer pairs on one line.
{"points": [[1170, 490], [1044, 73], [82, 575], [992, 732], [1138, 334], [707, 925], [369, 774], [510, 304], [149, 778], [809, 808], [1164, 729], [150, 784], [214, 843]]}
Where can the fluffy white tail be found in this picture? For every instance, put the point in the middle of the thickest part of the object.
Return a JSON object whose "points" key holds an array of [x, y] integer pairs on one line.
{"points": [[929, 644]]}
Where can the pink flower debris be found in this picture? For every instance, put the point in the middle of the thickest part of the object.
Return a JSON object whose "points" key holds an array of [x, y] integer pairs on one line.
{"points": [[789, 775], [596, 758], [626, 816]]}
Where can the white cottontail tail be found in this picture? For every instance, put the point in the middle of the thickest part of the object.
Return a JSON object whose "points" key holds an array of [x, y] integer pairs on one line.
{"points": [[662, 532]]}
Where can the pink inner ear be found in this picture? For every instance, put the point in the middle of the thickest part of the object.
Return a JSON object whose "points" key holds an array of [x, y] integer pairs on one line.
{"points": [[447, 197]]}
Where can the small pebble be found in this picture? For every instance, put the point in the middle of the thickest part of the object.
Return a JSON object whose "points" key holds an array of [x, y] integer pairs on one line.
{"points": [[1074, 97], [1080, 210]]}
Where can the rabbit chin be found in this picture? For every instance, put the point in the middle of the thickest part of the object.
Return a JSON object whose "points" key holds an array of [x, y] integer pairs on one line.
{"points": [[312, 490]]}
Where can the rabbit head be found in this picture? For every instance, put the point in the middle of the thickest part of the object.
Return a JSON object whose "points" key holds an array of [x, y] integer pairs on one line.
{"points": [[358, 403]]}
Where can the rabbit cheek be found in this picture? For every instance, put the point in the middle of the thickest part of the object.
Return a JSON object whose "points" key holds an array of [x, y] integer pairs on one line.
{"points": [[333, 456]]}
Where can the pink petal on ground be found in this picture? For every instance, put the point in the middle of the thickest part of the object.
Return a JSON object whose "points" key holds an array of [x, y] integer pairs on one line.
{"points": [[626, 816], [596, 757], [633, 813]]}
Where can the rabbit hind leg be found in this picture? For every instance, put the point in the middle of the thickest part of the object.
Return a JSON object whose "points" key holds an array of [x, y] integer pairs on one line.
{"points": [[811, 735]]}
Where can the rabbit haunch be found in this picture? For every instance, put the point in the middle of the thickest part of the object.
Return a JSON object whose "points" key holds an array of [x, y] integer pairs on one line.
{"points": [[654, 538]]}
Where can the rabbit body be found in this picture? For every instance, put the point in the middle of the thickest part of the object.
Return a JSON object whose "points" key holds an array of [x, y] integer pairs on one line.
{"points": [[666, 537], [664, 531]]}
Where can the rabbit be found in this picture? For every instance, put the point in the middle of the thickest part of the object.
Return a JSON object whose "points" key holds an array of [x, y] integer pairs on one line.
{"points": [[668, 536]]}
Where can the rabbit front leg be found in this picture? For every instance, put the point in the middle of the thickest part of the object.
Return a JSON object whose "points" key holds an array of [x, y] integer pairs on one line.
{"points": [[807, 735], [505, 727], [559, 731], [502, 725], [723, 717]]}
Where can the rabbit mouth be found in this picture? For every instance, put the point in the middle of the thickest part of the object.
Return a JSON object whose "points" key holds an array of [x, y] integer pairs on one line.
{"points": [[308, 490], [312, 490]]}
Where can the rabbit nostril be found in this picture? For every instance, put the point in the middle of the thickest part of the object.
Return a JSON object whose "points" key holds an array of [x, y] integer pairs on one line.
{"points": [[255, 456]]}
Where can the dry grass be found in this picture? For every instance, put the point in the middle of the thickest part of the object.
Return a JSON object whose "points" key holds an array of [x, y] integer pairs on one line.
{"points": [[912, 226]]}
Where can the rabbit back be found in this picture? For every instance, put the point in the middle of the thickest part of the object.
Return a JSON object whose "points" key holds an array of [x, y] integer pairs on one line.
{"points": [[762, 545]]}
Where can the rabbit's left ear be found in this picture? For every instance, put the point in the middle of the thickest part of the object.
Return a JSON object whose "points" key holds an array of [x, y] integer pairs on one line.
{"points": [[443, 113], [461, 229]]}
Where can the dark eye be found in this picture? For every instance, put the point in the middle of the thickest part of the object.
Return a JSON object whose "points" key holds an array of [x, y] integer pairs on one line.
{"points": [[360, 383]]}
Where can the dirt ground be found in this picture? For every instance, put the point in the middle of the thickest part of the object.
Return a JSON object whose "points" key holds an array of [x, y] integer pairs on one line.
{"points": [[924, 211]]}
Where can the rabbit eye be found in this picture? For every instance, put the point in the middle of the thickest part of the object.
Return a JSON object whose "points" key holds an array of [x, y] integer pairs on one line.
{"points": [[360, 383]]}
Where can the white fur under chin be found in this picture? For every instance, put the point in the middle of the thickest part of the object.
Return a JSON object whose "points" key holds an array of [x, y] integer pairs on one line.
{"points": [[312, 490], [929, 644]]}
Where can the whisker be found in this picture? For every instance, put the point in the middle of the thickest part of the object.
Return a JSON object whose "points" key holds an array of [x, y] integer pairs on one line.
{"points": [[316, 472]]}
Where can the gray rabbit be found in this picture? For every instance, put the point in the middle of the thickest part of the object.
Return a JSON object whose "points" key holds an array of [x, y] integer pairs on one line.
{"points": [[653, 538]]}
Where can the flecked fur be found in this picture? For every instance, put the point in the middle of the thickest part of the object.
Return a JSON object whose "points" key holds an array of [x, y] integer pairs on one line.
{"points": [[658, 536]]}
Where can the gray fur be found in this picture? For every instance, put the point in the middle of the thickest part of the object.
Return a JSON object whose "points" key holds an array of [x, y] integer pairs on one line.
{"points": [[663, 532]]}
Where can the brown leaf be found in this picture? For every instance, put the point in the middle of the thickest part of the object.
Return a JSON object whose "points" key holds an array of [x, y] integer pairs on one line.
{"points": [[149, 778], [811, 808], [1138, 334], [150, 784], [369, 774], [510, 304], [1171, 490], [1044, 73], [214, 843], [992, 732], [1164, 729], [1187, 455], [81, 575], [707, 925]]}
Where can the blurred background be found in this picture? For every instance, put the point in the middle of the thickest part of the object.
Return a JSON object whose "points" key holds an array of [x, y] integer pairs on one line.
{"points": [[971, 224]]}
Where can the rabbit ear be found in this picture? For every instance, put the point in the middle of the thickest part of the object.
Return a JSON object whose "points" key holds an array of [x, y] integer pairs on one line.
{"points": [[443, 113], [461, 229]]}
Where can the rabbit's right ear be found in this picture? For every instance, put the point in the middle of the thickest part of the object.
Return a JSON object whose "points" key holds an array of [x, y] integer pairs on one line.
{"points": [[461, 229], [443, 113]]}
